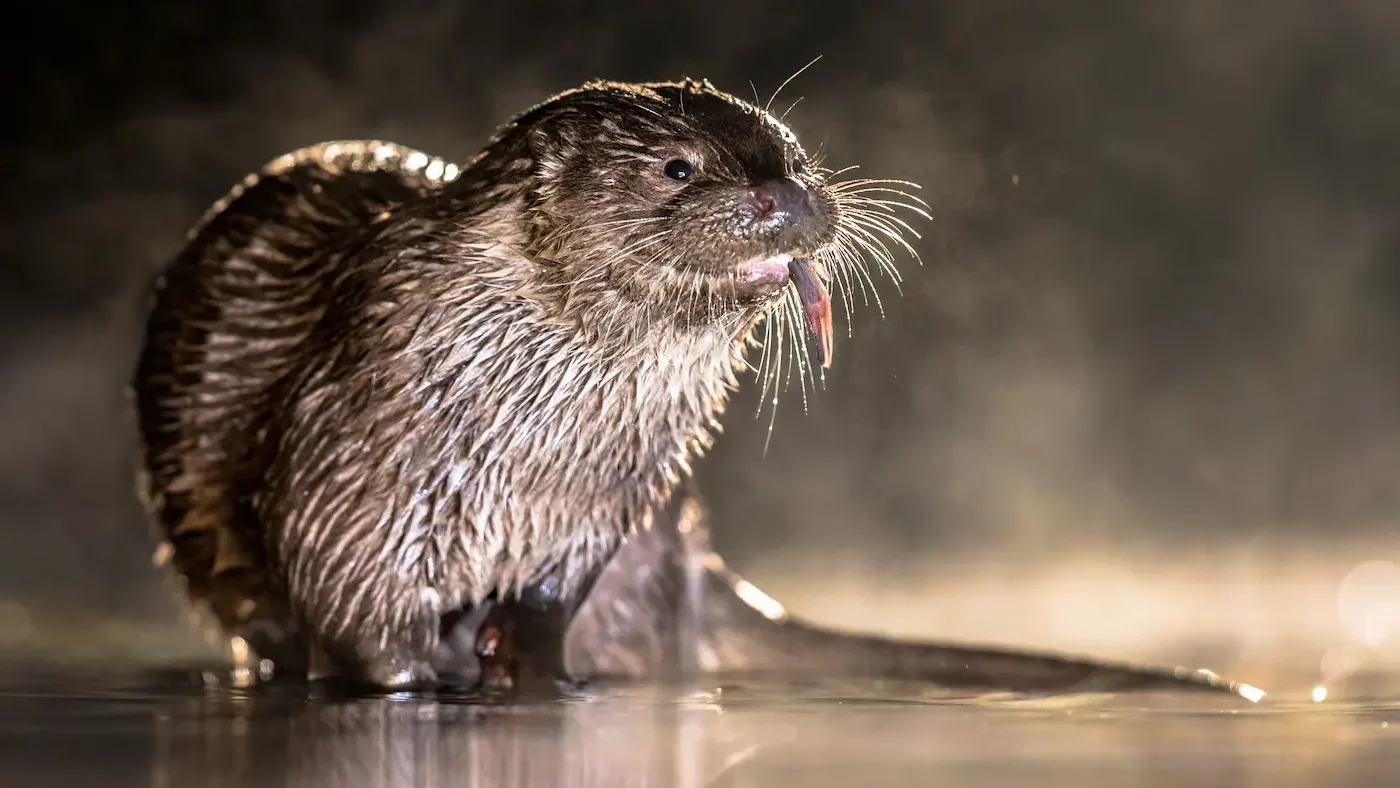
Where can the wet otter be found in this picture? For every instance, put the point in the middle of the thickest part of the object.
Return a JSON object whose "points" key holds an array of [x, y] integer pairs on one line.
{"points": [[397, 414]]}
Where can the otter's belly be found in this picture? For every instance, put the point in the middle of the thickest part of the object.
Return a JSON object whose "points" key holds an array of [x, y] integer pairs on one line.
{"points": [[515, 540]]}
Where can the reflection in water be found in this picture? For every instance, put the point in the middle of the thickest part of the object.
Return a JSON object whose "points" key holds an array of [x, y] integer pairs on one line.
{"points": [[170, 732], [239, 739]]}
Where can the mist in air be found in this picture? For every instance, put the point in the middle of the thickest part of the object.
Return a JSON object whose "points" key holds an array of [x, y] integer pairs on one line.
{"points": [[1141, 399]]}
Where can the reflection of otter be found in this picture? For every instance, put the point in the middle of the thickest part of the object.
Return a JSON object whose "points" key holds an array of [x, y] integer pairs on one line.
{"points": [[402, 416], [630, 737], [617, 741]]}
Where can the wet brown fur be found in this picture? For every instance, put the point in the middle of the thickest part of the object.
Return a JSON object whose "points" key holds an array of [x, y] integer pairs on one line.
{"points": [[376, 389]]}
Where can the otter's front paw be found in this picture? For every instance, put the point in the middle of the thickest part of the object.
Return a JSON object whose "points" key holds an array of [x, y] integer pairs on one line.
{"points": [[398, 660]]}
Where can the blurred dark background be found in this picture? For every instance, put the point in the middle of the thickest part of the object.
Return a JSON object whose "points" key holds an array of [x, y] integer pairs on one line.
{"points": [[1144, 385]]}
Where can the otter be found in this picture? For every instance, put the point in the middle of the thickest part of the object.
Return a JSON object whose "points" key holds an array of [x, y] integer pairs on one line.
{"points": [[405, 422]]}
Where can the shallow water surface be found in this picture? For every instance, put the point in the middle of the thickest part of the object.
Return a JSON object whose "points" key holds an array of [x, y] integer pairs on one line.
{"points": [[187, 728]]}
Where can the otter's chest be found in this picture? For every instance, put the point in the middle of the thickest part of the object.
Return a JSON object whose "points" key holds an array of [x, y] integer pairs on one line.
{"points": [[525, 451]]}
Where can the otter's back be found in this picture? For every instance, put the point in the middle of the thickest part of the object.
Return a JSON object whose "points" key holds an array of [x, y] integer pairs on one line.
{"points": [[227, 319]]}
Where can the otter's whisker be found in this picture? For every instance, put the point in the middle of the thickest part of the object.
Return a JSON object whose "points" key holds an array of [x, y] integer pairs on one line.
{"points": [[848, 238], [772, 328], [872, 245], [872, 230], [880, 225], [887, 223], [799, 347], [769, 105], [776, 377], [883, 206], [840, 278], [888, 209], [849, 261], [862, 239], [828, 174], [791, 107], [763, 364], [884, 262], [852, 182], [863, 186], [786, 307]]}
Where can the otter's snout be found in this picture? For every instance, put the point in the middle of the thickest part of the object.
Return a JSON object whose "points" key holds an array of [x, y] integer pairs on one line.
{"points": [[783, 200]]}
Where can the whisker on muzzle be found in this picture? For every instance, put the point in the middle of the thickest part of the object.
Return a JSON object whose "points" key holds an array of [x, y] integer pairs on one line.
{"points": [[869, 222]]}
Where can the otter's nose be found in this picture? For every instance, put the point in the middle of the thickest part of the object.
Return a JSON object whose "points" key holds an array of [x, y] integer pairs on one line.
{"points": [[781, 199]]}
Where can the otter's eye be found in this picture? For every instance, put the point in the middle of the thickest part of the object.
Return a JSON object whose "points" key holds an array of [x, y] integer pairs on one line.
{"points": [[679, 170]]}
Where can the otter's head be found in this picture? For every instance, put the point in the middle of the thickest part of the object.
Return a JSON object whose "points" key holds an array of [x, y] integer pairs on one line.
{"points": [[685, 201]]}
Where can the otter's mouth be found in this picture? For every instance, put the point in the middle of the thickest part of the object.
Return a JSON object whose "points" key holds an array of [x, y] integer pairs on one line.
{"points": [[786, 269]]}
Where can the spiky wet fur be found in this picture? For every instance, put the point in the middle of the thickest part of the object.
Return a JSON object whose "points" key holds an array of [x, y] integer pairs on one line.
{"points": [[373, 394]]}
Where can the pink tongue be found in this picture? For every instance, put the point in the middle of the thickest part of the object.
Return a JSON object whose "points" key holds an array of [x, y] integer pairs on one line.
{"points": [[817, 303]]}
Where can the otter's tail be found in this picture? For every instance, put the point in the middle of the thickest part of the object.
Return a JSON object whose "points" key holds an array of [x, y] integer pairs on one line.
{"points": [[750, 633], [666, 607]]}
